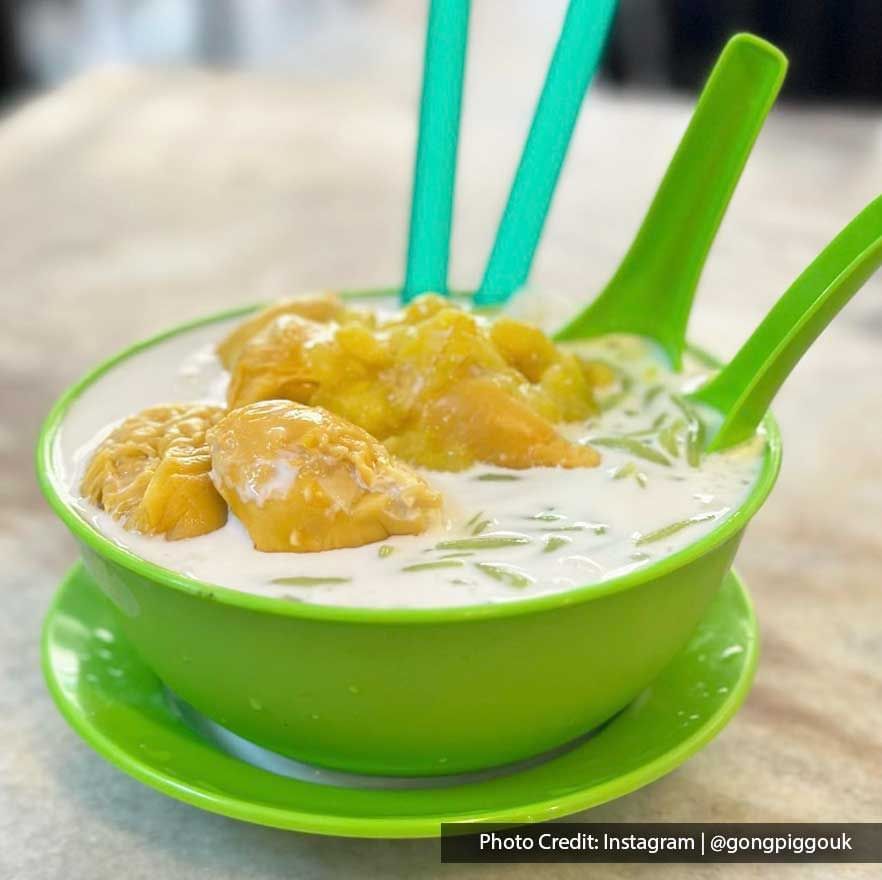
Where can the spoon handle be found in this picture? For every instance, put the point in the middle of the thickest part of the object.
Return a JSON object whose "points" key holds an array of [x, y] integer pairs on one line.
{"points": [[572, 67], [435, 171], [651, 292], [743, 390]]}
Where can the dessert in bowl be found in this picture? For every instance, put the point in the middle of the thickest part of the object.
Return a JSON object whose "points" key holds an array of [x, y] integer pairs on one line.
{"points": [[410, 542]]}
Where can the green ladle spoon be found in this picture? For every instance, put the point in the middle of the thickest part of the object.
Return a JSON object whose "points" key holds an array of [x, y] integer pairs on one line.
{"points": [[651, 292], [742, 391]]}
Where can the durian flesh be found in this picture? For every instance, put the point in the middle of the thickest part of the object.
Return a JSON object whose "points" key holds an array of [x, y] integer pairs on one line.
{"points": [[440, 387], [302, 479], [151, 473]]}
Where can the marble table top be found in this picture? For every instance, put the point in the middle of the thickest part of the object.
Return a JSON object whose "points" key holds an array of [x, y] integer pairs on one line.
{"points": [[133, 200]]}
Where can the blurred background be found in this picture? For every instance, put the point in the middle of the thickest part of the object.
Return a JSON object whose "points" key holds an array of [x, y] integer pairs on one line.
{"points": [[833, 45]]}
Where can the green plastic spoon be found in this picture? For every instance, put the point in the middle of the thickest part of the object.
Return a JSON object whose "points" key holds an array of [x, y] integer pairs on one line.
{"points": [[742, 391], [651, 292], [572, 67], [435, 171]]}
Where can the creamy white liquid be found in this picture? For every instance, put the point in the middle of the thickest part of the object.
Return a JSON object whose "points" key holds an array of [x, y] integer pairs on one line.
{"points": [[595, 519]]}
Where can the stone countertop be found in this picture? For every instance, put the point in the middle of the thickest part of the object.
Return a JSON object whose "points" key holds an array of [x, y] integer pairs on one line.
{"points": [[133, 200]]}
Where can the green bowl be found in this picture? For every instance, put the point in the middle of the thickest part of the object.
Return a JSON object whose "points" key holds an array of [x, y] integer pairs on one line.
{"points": [[404, 692]]}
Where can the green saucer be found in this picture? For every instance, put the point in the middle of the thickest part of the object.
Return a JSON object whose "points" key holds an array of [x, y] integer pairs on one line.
{"points": [[121, 708]]}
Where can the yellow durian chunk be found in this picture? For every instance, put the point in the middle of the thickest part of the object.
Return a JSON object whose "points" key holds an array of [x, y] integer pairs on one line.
{"points": [[479, 420], [390, 375], [151, 473], [302, 479], [321, 307], [275, 363]]}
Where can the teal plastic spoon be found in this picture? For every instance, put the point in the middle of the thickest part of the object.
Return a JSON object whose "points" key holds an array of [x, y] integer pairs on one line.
{"points": [[435, 171], [572, 68], [742, 391], [651, 292]]}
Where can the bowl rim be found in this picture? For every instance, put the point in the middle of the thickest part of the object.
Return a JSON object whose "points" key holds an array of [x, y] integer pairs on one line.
{"points": [[106, 548]]}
